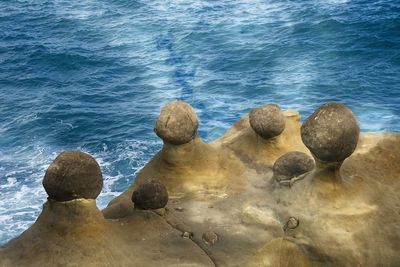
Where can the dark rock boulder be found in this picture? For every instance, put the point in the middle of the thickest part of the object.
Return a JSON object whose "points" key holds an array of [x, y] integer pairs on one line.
{"points": [[292, 164], [267, 121], [331, 133], [150, 195], [177, 123], [73, 175]]}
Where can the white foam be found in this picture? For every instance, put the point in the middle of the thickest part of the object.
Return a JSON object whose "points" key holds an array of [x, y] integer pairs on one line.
{"points": [[11, 182]]}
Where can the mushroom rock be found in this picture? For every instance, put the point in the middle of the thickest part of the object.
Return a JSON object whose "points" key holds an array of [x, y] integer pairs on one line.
{"points": [[292, 164], [150, 195], [267, 121], [177, 123], [73, 175], [227, 187], [70, 220], [185, 169], [75, 233], [331, 133], [260, 138], [185, 163]]}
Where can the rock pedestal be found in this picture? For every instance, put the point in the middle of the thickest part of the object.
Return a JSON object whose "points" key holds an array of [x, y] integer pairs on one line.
{"points": [[331, 133]]}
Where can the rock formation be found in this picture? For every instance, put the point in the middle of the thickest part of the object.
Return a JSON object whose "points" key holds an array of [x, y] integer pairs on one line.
{"points": [[267, 121], [227, 205], [331, 133], [75, 233], [150, 195], [260, 150], [73, 175], [177, 123], [291, 165]]}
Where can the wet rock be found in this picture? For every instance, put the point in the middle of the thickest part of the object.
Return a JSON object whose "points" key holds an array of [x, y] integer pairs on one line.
{"points": [[292, 164], [150, 195], [177, 123], [331, 133], [210, 238], [73, 175], [267, 121]]}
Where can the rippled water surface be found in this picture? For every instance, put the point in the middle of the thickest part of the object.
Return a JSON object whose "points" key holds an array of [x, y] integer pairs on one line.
{"points": [[92, 75]]}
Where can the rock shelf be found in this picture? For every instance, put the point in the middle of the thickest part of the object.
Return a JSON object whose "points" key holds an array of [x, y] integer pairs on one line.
{"points": [[223, 204]]}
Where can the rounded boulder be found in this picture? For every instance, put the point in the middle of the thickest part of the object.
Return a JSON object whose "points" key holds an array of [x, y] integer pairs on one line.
{"points": [[150, 195], [331, 133], [267, 121], [177, 123], [292, 164], [73, 175]]}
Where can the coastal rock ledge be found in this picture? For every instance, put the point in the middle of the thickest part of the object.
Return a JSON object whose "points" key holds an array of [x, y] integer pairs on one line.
{"points": [[257, 196]]}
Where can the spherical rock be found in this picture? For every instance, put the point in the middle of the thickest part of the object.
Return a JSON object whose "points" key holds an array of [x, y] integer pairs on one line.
{"points": [[331, 133], [267, 121], [150, 196], [177, 123], [292, 164], [73, 175]]}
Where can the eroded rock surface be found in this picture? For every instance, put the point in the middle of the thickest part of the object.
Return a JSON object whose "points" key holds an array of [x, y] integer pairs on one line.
{"points": [[226, 208]]}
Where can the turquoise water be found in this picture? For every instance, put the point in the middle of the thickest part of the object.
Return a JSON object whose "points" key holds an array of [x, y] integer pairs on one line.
{"points": [[92, 75]]}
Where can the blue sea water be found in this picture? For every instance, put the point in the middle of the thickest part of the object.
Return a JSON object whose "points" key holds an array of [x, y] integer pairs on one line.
{"points": [[93, 74]]}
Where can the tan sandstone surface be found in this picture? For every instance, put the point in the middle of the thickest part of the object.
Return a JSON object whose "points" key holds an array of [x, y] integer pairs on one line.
{"points": [[226, 209]]}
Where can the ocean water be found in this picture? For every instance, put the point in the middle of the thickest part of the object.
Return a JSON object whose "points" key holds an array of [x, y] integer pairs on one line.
{"points": [[92, 75]]}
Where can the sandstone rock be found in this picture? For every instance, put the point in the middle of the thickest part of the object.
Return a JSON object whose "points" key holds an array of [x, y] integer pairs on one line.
{"points": [[331, 133], [292, 223], [73, 175], [322, 221], [280, 252], [161, 211], [267, 121], [258, 215], [292, 164], [177, 123], [150, 195], [210, 238], [187, 235]]}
